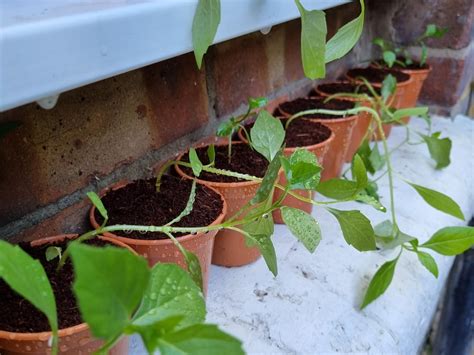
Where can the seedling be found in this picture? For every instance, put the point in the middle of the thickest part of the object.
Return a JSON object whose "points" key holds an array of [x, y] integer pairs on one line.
{"points": [[394, 53]]}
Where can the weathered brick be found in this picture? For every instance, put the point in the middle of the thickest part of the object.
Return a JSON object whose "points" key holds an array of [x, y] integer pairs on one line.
{"points": [[95, 129], [448, 79], [239, 71]]}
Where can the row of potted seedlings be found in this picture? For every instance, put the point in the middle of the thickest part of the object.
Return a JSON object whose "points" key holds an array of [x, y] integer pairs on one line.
{"points": [[214, 204]]}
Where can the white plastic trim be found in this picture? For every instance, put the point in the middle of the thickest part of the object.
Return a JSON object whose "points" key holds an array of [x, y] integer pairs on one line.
{"points": [[51, 46]]}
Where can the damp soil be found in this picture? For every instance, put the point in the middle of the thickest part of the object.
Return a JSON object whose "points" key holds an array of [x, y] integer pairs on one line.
{"points": [[413, 66], [139, 203], [302, 132], [377, 75], [20, 316], [298, 105], [243, 160], [337, 88]]}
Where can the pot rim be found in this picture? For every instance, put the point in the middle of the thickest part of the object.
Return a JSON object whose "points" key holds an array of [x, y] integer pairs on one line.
{"points": [[215, 183], [152, 242], [324, 94], [293, 149], [409, 71], [379, 85], [38, 336], [322, 120]]}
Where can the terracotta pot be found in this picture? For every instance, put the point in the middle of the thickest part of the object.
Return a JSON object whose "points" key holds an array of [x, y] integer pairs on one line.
{"points": [[413, 91], [319, 150], [72, 340], [230, 248], [401, 97], [337, 151], [164, 250]]}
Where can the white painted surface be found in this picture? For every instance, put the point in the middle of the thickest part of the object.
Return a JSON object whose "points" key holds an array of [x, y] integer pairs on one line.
{"points": [[51, 46], [311, 307]]}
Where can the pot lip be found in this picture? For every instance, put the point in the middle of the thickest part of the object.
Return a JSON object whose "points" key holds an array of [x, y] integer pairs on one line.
{"points": [[292, 149], [323, 120], [324, 94], [216, 184], [379, 85], [13, 336], [144, 242], [409, 71]]}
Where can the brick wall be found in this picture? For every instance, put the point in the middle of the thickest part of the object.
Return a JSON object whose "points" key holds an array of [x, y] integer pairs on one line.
{"points": [[122, 127]]}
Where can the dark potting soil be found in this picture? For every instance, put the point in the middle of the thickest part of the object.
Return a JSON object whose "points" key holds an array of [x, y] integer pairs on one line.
{"points": [[298, 105], [413, 66], [243, 160], [139, 203], [376, 75], [302, 132], [337, 88], [20, 316]]}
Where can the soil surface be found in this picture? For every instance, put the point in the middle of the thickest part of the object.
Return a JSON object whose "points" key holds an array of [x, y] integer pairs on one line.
{"points": [[139, 203], [375, 75], [337, 88], [243, 160], [298, 105], [303, 132], [413, 66], [20, 316]]}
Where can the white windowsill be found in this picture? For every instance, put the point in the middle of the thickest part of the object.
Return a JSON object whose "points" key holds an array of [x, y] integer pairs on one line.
{"points": [[51, 46]]}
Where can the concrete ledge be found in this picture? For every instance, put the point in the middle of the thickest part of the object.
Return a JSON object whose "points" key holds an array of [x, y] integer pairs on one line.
{"points": [[312, 306]]}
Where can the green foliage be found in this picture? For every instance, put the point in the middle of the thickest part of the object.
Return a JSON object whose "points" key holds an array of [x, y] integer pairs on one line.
{"points": [[359, 172], [412, 111], [451, 240], [389, 85], [196, 164], [389, 57], [257, 102], [265, 245], [356, 229], [439, 201], [227, 128], [97, 202], [428, 262], [205, 23], [338, 189], [27, 277], [211, 154], [346, 37], [268, 182], [372, 158], [303, 226], [188, 208], [302, 170], [53, 253], [380, 282], [439, 148], [389, 236], [267, 135], [313, 42]]}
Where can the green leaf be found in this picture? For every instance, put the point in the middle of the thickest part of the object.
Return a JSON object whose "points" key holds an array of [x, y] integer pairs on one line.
{"points": [[412, 111], [439, 201], [227, 128], [424, 54], [380, 282], [205, 23], [196, 164], [7, 127], [356, 229], [189, 206], [302, 170], [440, 149], [268, 182], [303, 226], [257, 102], [451, 240], [338, 189], [109, 285], [389, 237], [380, 42], [389, 57], [199, 339], [428, 262], [389, 85], [359, 173], [97, 202], [194, 267], [313, 42], [385, 229], [364, 153], [27, 277], [346, 37], [263, 222], [170, 292], [265, 245], [434, 31], [364, 197], [267, 135], [377, 161], [211, 154], [53, 253]]}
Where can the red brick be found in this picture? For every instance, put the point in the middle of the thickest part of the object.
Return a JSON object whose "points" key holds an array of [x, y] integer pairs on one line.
{"points": [[239, 70], [95, 129], [448, 79]]}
